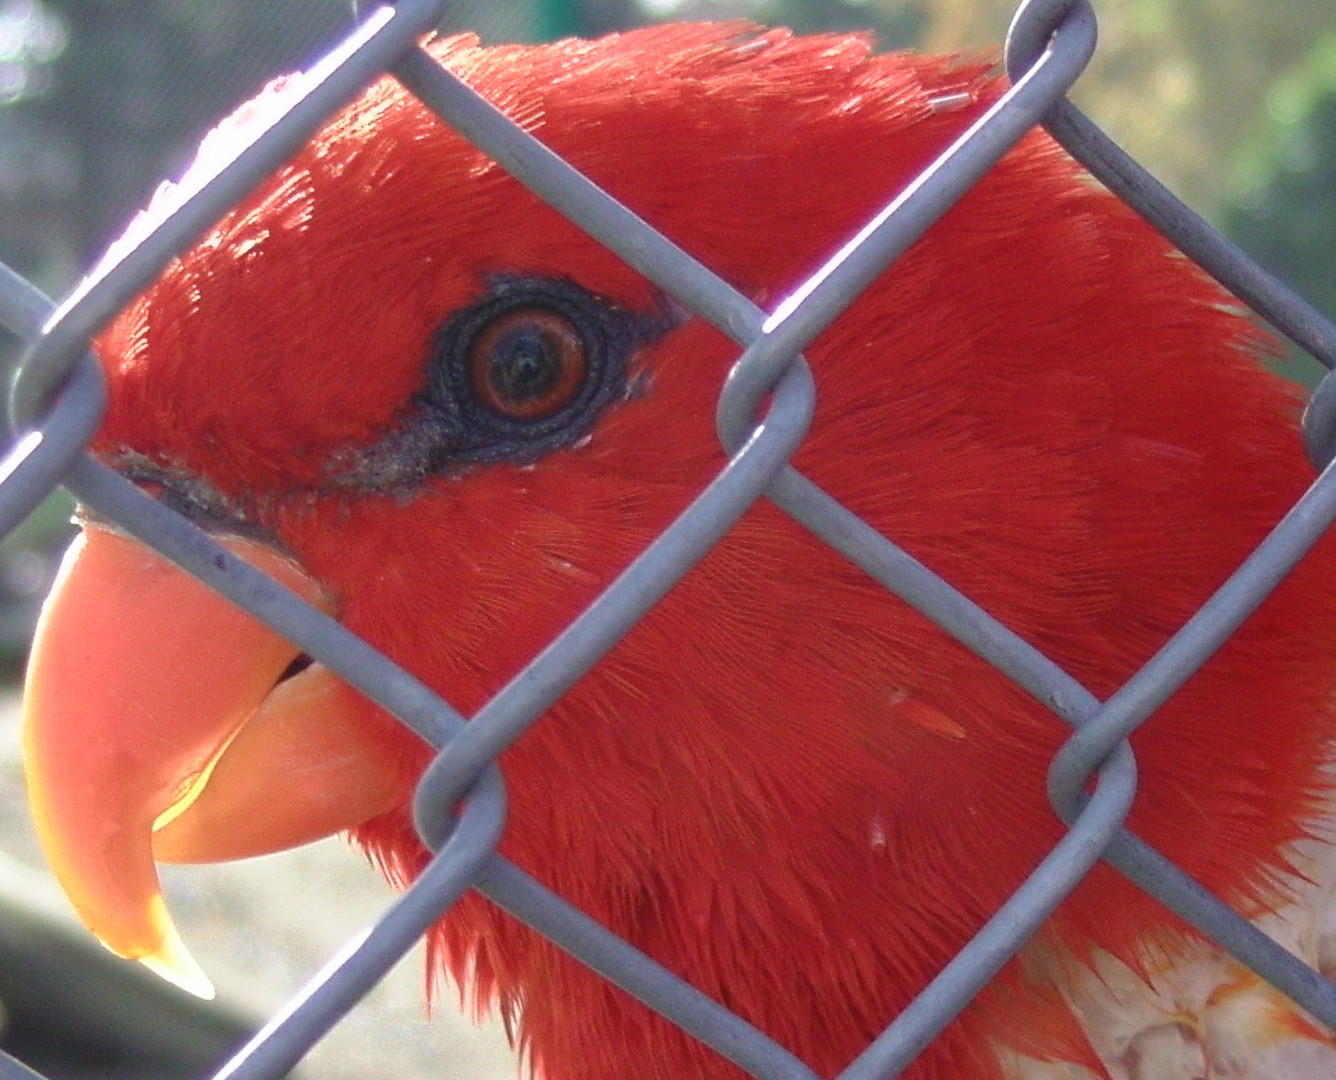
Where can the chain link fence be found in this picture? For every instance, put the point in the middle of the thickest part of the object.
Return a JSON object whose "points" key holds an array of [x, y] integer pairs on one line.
{"points": [[59, 398]]}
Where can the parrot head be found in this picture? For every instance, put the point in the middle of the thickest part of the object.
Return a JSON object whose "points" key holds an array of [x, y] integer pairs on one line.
{"points": [[399, 382], [393, 367]]}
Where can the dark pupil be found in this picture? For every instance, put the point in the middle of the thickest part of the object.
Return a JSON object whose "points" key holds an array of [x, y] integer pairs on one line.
{"points": [[525, 365]]}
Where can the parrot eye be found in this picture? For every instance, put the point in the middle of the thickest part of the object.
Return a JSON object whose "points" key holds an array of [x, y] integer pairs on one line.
{"points": [[527, 364], [525, 370]]}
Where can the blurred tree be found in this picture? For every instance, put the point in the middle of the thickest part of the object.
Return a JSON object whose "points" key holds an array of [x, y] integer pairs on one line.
{"points": [[894, 26], [102, 99], [37, 173], [1180, 83], [125, 100], [1282, 207]]}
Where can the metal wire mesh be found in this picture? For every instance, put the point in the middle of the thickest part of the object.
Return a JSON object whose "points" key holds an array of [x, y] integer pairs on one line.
{"points": [[59, 398]]}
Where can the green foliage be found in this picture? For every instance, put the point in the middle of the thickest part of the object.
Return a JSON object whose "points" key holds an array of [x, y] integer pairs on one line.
{"points": [[1282, 210]]}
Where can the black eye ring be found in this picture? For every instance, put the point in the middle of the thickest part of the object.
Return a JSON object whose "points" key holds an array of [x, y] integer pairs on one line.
{"points": [[526, 370]]}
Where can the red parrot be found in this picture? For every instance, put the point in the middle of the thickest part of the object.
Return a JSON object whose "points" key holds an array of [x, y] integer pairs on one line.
{"points": [[395, 378]]}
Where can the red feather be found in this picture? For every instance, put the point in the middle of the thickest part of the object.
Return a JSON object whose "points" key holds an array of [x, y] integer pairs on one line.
{"points": [[783, 785]]}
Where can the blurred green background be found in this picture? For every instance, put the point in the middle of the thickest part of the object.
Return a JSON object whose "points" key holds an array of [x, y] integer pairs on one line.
{"points": [[1232, 103]]}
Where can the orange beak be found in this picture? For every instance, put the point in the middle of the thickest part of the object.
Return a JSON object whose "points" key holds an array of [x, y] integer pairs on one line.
{"points": [[158, 724]]}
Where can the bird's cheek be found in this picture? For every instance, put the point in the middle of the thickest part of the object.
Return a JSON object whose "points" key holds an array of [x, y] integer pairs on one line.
{"points": [[157, 724]]}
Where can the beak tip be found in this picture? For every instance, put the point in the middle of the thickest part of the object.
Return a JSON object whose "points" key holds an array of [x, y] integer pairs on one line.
{"points": [[173, 962]]}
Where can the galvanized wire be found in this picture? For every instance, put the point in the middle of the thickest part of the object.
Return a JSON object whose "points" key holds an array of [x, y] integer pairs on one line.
{"points": [[60, 396]]}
